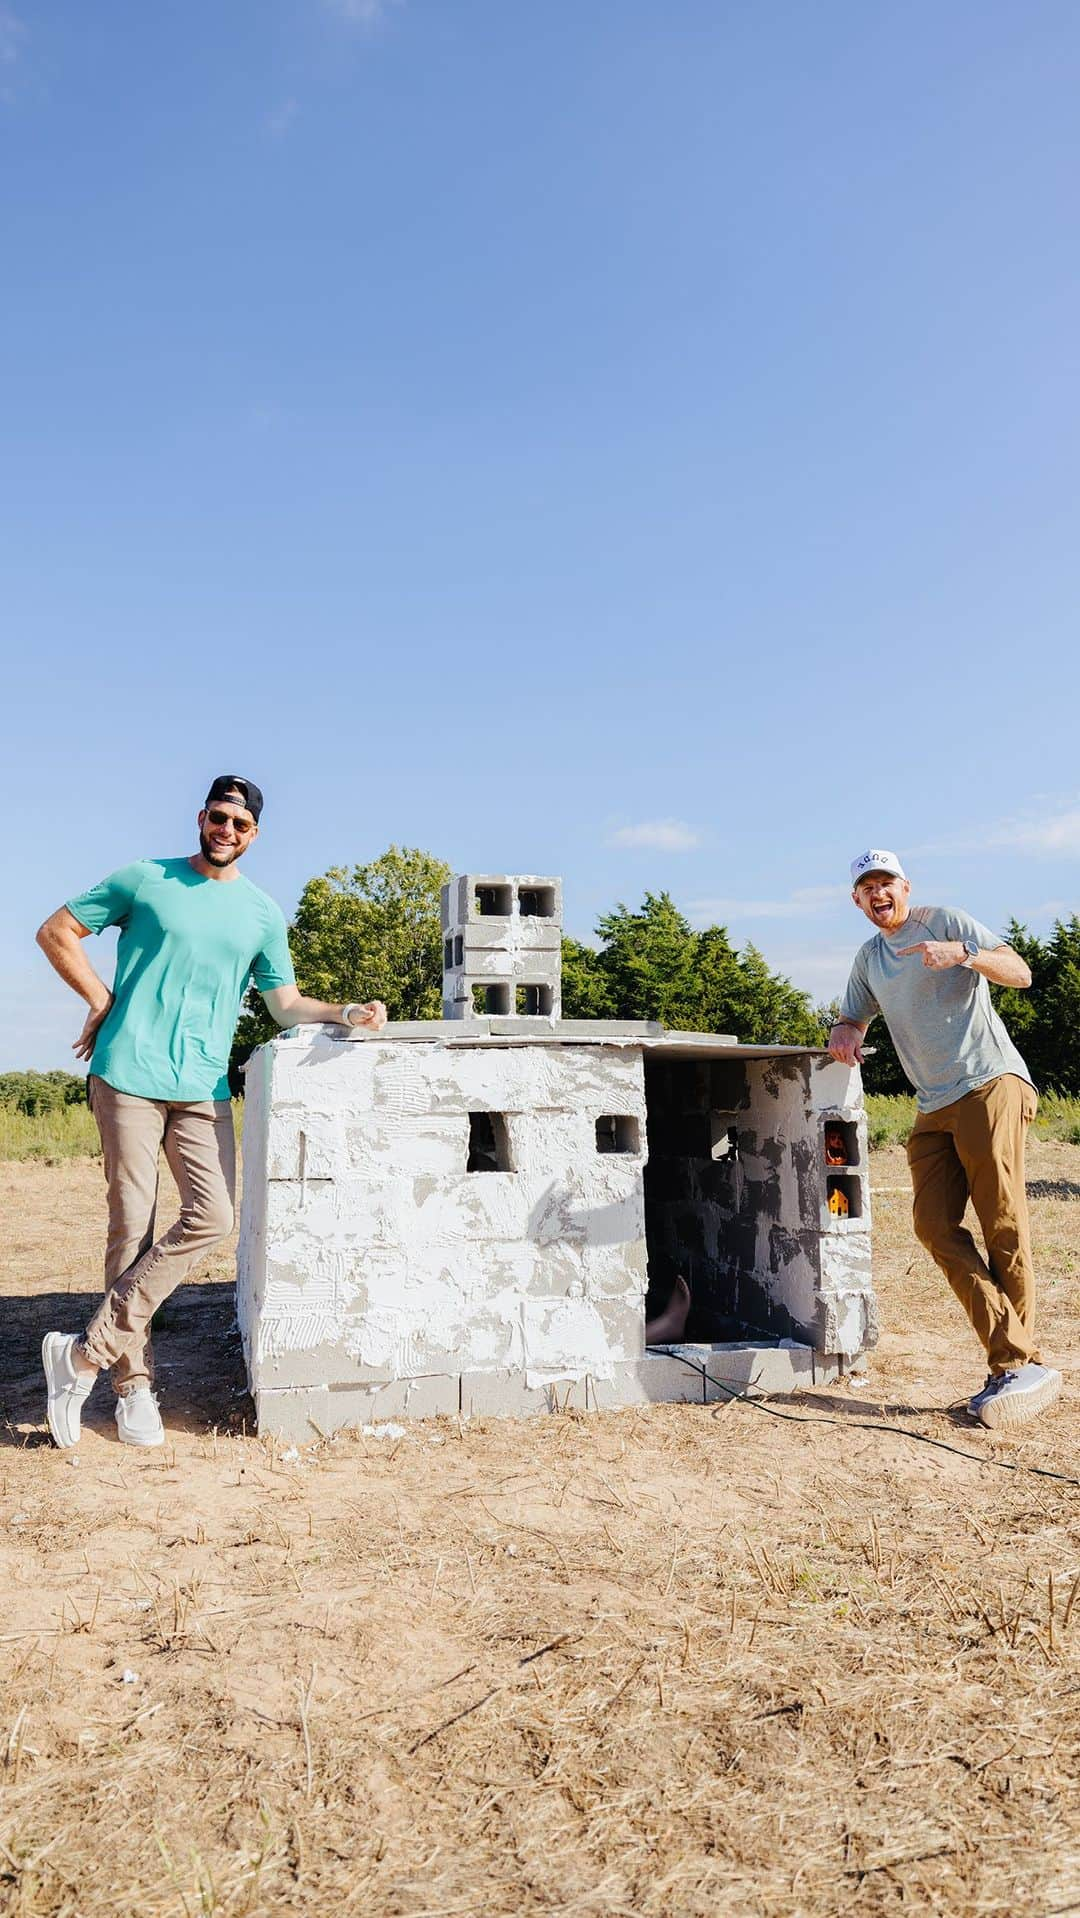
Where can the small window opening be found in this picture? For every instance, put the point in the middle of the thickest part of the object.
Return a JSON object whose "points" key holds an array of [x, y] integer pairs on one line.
{"points": [[489, 1149], [448, 954], [843, 1197], [533, 1002], [459, 950], [491, 1001], [536, 902], [494, 902], [841, 1142], [615, 1132]]}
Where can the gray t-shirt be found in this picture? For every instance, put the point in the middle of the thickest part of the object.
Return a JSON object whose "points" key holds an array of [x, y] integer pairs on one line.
{"points": [[947, 1035]]}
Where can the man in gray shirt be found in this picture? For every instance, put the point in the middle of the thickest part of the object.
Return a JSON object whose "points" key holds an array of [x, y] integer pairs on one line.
{"points": [[927, 972]]}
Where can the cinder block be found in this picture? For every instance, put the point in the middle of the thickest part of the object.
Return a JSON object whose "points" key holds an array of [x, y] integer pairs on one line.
{"points": [[660, 1378], [306, 1413], [320, 1071], [304, 1144], [280, 1363], [615, 1271], [756, 1370], [623, 1321], [593, 1210], [847, 1323], [846, 1262], [522, 1025], [507, 1395], [540, 939], [484, 963], [835, 1086], [563, 1338], [458, 899], [411, 1030], [382, 1144]]}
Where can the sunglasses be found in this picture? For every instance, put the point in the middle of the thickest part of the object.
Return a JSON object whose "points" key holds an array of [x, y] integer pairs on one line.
{"points": [[217, 818]]}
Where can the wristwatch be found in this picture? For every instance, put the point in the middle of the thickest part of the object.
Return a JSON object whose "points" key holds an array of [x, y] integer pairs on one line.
{"points": [[353, 1006], [971, 951]]}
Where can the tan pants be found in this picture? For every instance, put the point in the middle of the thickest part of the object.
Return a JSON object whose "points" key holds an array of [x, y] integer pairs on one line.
{"points": [[200, 1148], [975, 1149]]}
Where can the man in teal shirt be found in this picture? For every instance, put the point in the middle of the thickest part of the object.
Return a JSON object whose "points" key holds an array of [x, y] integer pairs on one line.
{"points": [[193, 934]]}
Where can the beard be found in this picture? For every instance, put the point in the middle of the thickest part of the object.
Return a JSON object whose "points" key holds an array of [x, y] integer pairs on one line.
{"points": [[215, 858]]}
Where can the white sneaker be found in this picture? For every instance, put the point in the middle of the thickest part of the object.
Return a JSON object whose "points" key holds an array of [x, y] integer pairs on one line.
{"points": [[68, 1388], [1015, 1397], [138, 1420]]}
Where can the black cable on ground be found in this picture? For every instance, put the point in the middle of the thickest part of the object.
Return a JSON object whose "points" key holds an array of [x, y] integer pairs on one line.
{"points": [[870, 1425]]}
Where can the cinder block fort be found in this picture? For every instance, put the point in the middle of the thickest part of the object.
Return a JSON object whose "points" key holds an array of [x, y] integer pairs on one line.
{"points": [[476, 1214]]}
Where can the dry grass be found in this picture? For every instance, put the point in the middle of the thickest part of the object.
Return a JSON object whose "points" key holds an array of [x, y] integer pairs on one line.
{"points": [[671, 1661]]}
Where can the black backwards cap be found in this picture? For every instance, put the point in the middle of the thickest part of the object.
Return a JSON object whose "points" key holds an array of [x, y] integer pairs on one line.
{"points": [[226, 784]]}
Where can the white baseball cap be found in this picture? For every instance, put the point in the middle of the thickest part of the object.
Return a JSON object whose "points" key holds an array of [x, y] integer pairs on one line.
{"points": [[876, 862]]}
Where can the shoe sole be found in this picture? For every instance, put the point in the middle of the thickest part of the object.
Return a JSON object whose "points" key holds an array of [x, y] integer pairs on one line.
{"points": [[47, 1347], [1016, 1408]]}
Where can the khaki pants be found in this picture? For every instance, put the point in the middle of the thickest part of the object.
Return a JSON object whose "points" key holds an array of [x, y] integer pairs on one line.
{"points": [[975, 1149], [200, 1148]]}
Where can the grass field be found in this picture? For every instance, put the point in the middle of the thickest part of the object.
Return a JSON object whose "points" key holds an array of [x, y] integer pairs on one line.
{"points": [[791, 1662], [72, 1134], [888, 1121]]}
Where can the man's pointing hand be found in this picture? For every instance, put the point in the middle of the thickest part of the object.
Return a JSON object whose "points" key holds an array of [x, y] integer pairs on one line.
{"points": [[938, 954]]}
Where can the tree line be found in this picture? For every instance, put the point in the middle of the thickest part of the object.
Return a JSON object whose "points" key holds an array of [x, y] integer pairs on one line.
{"points": [[373, 931], [35, 1093]]}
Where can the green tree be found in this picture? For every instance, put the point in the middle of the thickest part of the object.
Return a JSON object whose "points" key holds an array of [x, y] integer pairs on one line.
{"points": [[365, 932], [767, 1009], [1024, 1011], [586, 993], [647, 958], [652, 965], [883, 1071], [36, 1092], [1058, 1054]]}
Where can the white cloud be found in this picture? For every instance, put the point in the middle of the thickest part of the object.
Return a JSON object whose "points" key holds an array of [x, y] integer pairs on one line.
{"points": [[362, 13], [1053, 835], [661, 835], [1050, 829], [1052, 909], [281, 119], [802, 903]]}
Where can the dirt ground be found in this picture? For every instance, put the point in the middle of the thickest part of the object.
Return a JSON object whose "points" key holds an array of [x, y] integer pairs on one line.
{"points": [[666, 1661]]}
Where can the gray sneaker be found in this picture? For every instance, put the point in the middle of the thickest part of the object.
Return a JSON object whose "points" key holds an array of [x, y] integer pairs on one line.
{"points": [[68, 1388], [975, 1402], [1015, 1397]]}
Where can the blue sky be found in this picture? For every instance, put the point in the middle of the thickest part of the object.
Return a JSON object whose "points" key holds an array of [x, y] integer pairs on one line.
{"points": [[637, 443]]}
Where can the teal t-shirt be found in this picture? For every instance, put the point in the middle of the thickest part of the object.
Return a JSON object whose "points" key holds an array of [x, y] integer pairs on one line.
{"points": [[188, 947], [947, 1035]]}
